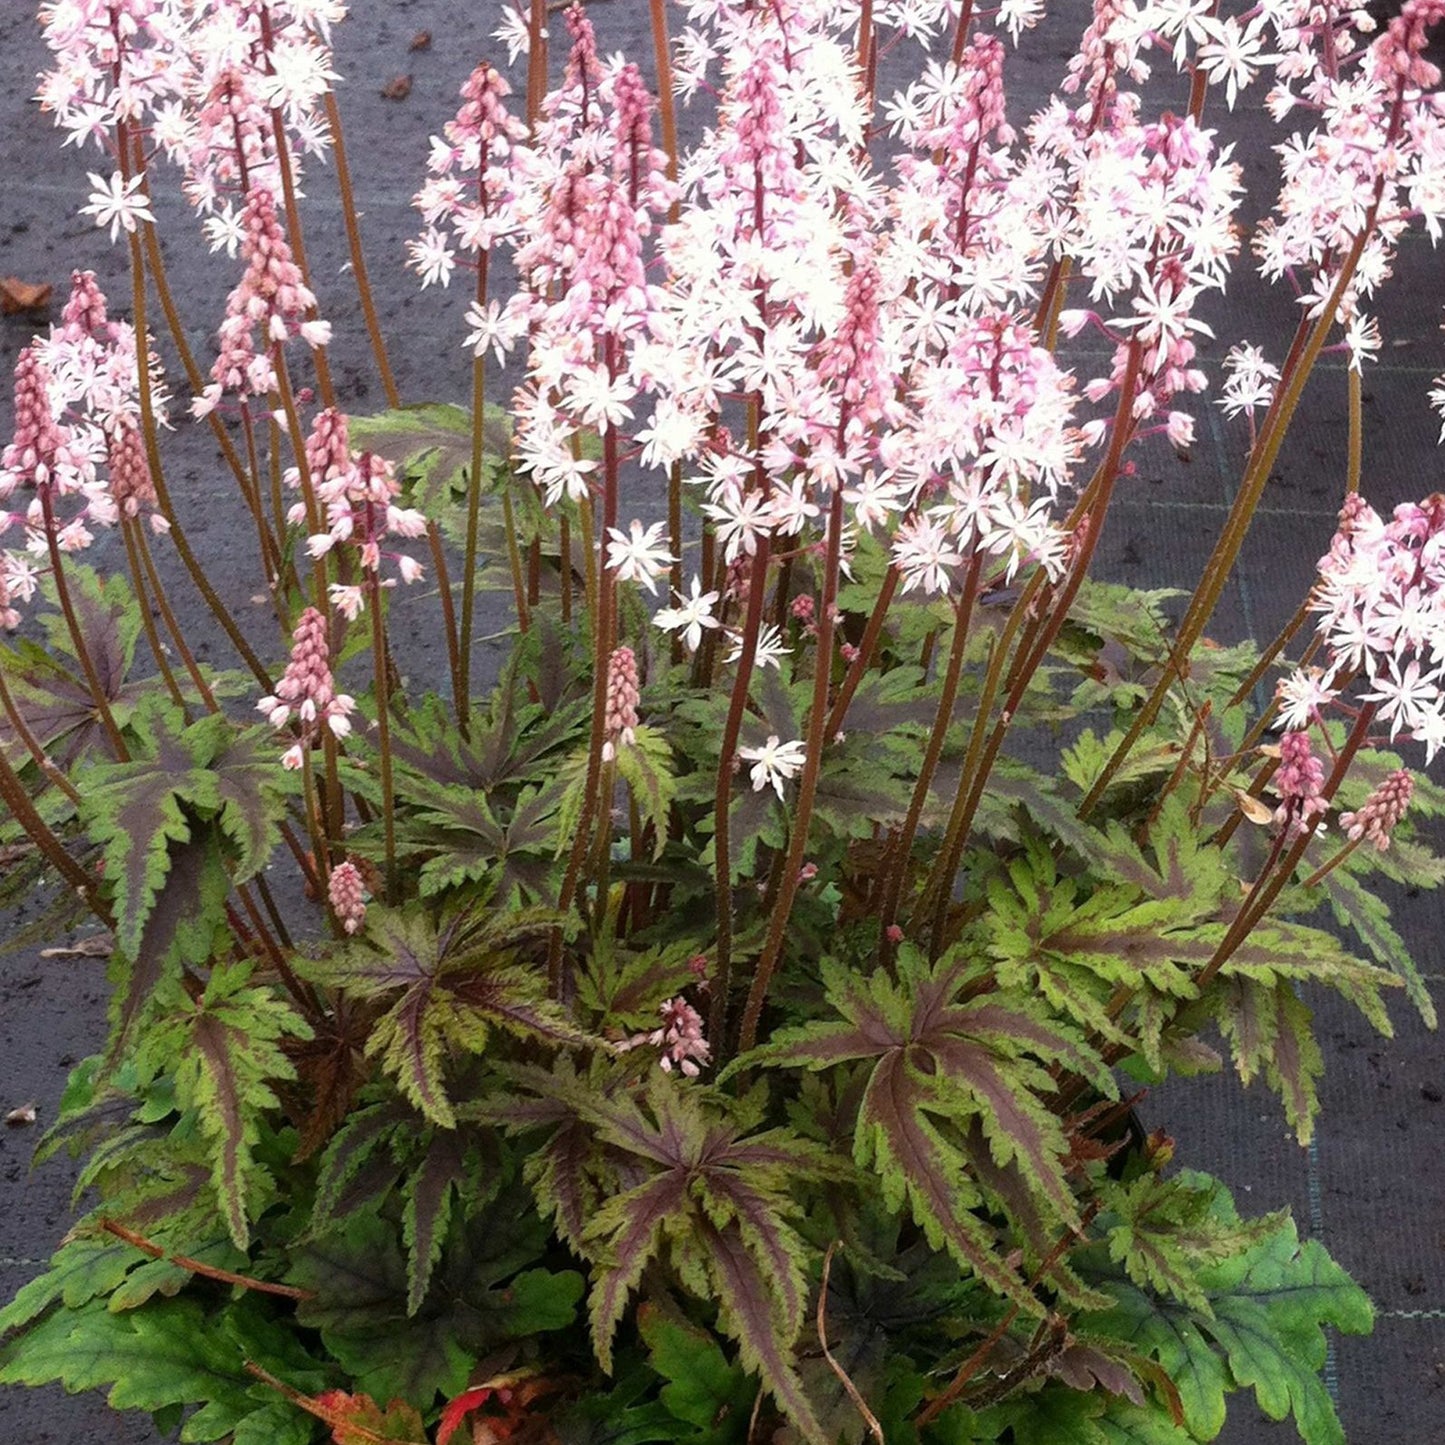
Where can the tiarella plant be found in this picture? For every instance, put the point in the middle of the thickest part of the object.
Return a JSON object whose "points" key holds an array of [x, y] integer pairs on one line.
{"points": [[727, 1022]]}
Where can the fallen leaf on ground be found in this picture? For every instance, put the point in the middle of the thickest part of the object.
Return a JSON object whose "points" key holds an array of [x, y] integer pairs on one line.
{"points": [[397, 88], [98, 945], [17, 295], [20, 1117], [420, 41]]}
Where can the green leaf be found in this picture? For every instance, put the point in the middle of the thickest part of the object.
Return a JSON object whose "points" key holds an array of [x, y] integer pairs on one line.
{"points": [[430, 445], [1267, 1306], [430, 442], [703, 1388], [167, 1355], [484, 1294], [1164, 1231], [1369, 916], [80, 1270]]}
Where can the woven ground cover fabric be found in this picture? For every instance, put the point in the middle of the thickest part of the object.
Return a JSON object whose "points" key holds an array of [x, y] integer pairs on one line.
{"points": [[1372, 1185]]}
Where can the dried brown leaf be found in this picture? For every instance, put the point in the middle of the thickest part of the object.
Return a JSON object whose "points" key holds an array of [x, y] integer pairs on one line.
{"points": [[17, 296], [1253, 809], [98, 945]]}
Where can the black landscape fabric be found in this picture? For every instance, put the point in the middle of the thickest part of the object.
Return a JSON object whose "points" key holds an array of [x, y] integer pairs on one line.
{"points": [[1371, 1187]]}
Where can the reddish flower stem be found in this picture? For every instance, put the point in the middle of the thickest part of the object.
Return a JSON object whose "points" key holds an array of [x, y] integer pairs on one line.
{"points": [[808, 788]]}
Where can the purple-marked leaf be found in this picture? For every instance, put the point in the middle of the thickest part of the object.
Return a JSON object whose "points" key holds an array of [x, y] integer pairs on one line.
{"points": [[748, 1315], [1246, 1012], [990, 1019], [1008, 1189], [627, 987], [1085, 1367], [109, 619], [626, 1232], [950, 1050], [915, 1164], [646, 768], [253, 797], [621, 1123], [429, 1194], [820, 1046], [430, 444], [1019, 1128], [365, 1132], [225, 1052], [179, 928], [561, 1174], [771, 1243], [137, 811], [511, 999], [54, 703], [454, 985], [1296, 1064], [214, 1042]]}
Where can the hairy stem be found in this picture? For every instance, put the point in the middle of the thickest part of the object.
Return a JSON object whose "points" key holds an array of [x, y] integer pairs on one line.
{"points": [[808, 788], [148, 622], [77, 633], [358, 256], [449, 617], [163, 496], [722, 796], [383, 724], [1309, 342], [474, 508], [942, 721]]}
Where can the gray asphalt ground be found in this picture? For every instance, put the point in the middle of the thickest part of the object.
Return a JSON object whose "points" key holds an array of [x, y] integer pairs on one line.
{"points": [[1372, 1187]]}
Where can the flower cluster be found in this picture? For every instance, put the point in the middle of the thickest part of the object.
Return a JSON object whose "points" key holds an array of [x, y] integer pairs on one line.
{"points": [[680, 1038], [467, 201], [306, 691], [215, 86], [1373, 159], [270, 304], [620, 724], [1376, 818], [77, 447], [1381, 600], [1298, 782], [357, 493]]}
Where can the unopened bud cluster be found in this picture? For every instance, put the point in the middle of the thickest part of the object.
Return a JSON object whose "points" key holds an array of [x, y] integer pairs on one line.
{"points": [[620, 723], [1376, 820]]}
